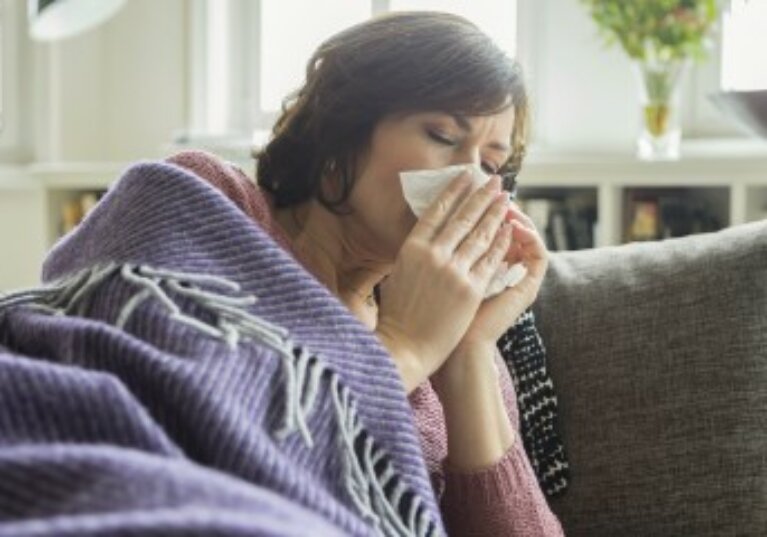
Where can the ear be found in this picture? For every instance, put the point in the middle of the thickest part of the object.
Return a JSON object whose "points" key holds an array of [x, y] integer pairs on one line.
{"points": [[331, 180], [339, 174]]}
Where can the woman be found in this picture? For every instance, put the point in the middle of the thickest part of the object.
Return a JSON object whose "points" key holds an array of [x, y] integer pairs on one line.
{"points": [[180, 372], [402, 92]]}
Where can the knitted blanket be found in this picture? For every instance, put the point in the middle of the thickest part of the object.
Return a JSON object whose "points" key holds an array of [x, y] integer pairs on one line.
{"points": [[178, 373]]}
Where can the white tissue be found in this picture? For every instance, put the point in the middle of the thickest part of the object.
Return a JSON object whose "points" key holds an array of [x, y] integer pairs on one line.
{"points": [[422, 187]]}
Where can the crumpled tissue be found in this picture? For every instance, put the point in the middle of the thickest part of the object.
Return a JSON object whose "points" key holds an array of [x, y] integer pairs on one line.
{"points": [[422, 187]]}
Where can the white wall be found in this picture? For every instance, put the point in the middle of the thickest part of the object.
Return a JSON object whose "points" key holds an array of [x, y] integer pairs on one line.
{"points": [[22, 233], [116, 93], [584, 94]]}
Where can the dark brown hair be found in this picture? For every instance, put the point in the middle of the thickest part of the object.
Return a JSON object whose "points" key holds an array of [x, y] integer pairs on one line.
{"points": [[394, 63]]}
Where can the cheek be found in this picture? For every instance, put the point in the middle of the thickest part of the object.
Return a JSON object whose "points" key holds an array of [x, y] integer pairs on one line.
{"points": [[382, 209], [383, 197], [378, 192]]}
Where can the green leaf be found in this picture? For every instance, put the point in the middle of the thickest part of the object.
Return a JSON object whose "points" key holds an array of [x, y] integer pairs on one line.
{"points": [[675, 28]]}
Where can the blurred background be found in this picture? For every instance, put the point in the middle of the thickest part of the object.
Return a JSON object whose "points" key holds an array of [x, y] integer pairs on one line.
{"points": [[620, 150]]}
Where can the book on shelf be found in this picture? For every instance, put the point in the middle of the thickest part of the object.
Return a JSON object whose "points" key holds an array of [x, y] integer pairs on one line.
{"points": [[75, 209], [666, 216], [645, 221], [564, 224]]}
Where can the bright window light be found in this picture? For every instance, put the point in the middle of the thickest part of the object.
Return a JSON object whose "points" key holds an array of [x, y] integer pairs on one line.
{"points": [[497, 18], [291, 31], [279, 36], [217, 81], [744, 42]]}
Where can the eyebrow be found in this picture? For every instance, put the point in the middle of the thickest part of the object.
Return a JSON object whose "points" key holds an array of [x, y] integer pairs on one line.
{"points": [[464, 124]]}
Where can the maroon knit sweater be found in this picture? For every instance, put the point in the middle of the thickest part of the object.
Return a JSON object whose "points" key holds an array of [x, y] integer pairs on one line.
{"points": [[503, 499]]}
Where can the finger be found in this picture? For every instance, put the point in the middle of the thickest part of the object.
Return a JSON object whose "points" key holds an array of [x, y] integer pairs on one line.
{"points": [[531, 249], [486, 266], [526, 247], [433, 219], [528, 236], [536, 264], [468, 215], [514, 251], [516, 212], [482, 236]]}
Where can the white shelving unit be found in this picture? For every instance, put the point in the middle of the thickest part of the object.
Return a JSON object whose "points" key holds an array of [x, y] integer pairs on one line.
{"points": [[731, 176], [31, 198]]}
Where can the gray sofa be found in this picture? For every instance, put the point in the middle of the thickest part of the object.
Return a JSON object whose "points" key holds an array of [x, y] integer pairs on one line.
{"points": [[658, 352]]}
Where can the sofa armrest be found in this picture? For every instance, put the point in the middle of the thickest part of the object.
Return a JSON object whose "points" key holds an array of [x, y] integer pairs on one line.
{"points": [[658, 352]]}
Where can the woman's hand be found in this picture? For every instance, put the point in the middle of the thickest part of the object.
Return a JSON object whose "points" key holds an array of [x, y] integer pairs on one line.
{"points": [[440, 276], [497, 314]]}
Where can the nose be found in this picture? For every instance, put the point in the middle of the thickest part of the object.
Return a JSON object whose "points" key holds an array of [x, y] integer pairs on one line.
{"points": [[469, 155]]}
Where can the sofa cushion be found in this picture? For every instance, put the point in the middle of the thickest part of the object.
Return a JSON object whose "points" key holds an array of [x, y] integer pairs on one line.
{"points": [[658, 352]]}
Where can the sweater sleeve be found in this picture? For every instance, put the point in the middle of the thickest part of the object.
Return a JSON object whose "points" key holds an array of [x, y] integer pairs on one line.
{"points": [[503, 499], [227, 178], [231, 181]]}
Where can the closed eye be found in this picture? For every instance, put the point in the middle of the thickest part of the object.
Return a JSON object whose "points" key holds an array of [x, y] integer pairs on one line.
{"points": [[488, 167], [440, 138]]}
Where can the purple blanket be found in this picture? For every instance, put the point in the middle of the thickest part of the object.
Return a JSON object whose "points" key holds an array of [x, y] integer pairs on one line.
{"points": [[178, 373]]}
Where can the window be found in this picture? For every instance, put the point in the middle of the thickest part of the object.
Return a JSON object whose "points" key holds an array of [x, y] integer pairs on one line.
{"points": [[288, 40], [247, 56]]}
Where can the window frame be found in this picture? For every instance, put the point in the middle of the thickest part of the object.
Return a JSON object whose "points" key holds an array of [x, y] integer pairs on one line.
{"points": [[2, 66], [249, 124], [242, 71], [13, 107], [246, 121]]}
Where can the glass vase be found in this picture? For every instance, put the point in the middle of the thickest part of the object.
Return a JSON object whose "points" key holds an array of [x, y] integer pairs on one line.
{"points": [[660, 84]]}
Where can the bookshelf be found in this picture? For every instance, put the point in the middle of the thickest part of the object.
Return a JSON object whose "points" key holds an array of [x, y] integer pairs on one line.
{"points": [[717, 183], [68, 207], [755, 202], [566, 217], [32, 202], [665, 212], [729, 184], [69, 191]]}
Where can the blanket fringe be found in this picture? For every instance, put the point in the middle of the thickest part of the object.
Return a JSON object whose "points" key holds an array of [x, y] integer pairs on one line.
{"points": [[392, 510]]}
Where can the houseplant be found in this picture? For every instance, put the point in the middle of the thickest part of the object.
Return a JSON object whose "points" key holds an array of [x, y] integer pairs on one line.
{"points": [[661, 37]]}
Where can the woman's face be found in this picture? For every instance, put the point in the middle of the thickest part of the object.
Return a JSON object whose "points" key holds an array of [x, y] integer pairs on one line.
{"points": [[416, 141]]}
